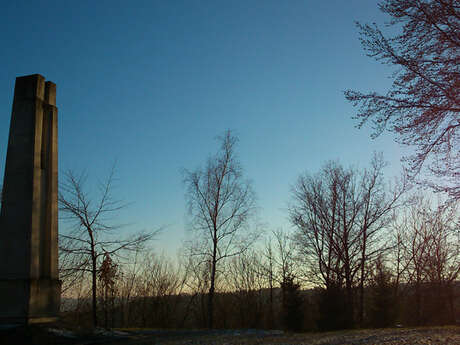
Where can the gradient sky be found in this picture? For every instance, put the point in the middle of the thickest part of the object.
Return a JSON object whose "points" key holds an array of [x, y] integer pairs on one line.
{"points": [[151, 84]]}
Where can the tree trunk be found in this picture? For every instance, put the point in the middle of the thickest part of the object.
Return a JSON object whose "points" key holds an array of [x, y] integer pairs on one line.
{"points": [[349, 304], [418, 301], [106, 311], [212, 287], [93, 275], [94, 290], [211, 305], [361, 283], [271, 317], [450, 298]]}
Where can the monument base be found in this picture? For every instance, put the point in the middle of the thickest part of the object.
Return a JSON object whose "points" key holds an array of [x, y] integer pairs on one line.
{"points": [[29, 301]]}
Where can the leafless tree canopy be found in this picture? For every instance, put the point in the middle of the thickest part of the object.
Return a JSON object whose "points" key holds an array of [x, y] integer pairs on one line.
{"points": [[339, 214], [423, 105]]}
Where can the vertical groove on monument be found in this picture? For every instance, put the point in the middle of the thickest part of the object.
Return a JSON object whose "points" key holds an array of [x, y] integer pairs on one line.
{"points": [[29, 279]]}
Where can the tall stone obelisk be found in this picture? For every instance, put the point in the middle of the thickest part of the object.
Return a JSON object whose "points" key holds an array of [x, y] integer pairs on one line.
{"points": [[29, 278]]}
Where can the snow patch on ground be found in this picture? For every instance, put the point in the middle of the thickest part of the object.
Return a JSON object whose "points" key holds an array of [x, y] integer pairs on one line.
{"points": [[62, 333]]}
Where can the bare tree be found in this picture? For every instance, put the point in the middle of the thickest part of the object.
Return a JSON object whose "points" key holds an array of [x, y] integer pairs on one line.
{"points": [[430, 257], [90, 235], [197, 272], [126, 285], [269, 271], [324, 209], [278, 265], [382, 303], [339, 214], [284, 256], [423, 105], [158, 287], [377, 202], [245, 280], [220, 203]]}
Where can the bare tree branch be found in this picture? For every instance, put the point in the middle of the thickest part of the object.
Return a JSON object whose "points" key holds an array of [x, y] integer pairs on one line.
{"points": [[423, 105]]}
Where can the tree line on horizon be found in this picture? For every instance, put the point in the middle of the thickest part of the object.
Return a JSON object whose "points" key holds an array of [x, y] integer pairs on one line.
{"points": [[363, 253]]}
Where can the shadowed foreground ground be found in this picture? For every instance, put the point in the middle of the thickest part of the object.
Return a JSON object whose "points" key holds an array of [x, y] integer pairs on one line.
{"points": [[41, 335]]}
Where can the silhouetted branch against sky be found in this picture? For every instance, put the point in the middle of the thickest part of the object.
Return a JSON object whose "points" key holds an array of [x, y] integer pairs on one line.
{"points": [[423, 105]]}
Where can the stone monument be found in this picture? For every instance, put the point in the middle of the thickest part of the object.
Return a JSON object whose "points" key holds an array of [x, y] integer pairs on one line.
{"points": [[29, 278]]}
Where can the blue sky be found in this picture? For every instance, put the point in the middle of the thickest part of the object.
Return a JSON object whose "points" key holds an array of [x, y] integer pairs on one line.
{"points": [[150, 84]]}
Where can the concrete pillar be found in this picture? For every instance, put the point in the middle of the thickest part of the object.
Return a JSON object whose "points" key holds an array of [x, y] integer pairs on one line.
{"points": [[29, 278]]}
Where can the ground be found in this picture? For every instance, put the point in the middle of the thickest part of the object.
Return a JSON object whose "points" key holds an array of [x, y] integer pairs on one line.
{"points": [[46, 335]]}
